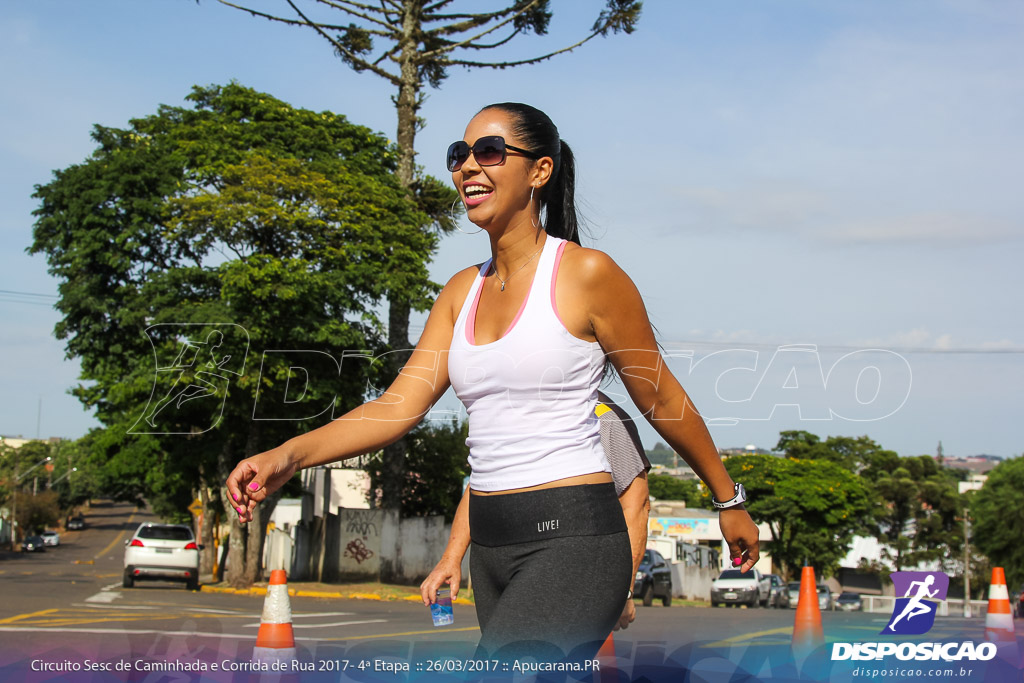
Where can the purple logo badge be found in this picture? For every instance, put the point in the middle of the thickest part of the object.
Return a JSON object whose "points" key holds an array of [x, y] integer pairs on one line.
{"points": [[918, 594]]}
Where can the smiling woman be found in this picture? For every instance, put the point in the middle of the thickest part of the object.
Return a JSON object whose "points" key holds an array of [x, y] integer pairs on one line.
{"points": [[524, 339]]}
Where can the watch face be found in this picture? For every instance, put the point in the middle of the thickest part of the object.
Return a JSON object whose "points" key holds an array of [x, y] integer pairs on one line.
{"points": [[739, 498]]}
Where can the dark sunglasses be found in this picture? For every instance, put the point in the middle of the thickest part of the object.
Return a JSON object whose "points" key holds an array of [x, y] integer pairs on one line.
{"points": [[489, 150]]}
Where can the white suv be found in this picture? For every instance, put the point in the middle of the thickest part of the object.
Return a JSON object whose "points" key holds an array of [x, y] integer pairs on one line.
{"points": [[166, 552]]}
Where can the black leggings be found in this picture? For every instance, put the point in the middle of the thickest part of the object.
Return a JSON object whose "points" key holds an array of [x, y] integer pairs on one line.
{"points": [[550, 570]]}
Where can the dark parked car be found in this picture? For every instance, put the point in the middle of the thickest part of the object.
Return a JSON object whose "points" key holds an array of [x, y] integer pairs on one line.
{"points": [[849, 601], [76, 523], [33, 544], [779, 595], [653, 579]]}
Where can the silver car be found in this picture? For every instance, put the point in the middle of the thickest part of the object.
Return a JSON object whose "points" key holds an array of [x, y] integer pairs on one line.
{"points": [[779, 596], [826, 601], [733, 587], [165, 552]]}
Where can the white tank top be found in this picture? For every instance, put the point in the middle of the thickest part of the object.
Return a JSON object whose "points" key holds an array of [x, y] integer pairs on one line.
{"points": [[531, 394]]}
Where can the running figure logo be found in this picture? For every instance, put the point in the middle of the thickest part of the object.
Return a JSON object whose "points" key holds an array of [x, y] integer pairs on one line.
{"points": [[195, 365], [914, 613]]}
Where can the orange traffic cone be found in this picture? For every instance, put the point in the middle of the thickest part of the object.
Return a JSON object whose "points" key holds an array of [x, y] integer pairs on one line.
{"points": [[807, 631], [999, 619], [275, 641], [606, 656]]}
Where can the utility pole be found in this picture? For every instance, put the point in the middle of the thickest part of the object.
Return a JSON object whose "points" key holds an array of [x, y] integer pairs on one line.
{"points": [[967, 565], [14, 510]]}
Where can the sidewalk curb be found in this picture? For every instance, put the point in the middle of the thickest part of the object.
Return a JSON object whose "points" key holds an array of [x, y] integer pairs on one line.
{"points": [[262, 590]]}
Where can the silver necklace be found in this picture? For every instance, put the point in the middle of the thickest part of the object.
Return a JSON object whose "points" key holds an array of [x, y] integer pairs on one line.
{"points": [[494, 267]]}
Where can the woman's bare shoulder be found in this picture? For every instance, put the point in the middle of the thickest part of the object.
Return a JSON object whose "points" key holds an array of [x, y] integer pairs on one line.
{"points": [[457, 288], [587, 265]]}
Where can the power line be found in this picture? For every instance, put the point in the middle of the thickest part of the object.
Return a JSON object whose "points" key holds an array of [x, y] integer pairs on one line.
{"points": [[682, 345], [844, 348], [11, 291], [10, 296]]}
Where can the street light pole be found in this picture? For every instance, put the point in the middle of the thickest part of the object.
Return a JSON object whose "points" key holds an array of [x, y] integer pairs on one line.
{"points": [[14, 510], [62, 477], [967, 566]]}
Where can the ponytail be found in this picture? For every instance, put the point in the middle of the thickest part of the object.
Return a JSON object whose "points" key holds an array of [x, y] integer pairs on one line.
{"points": [[557, 198]]}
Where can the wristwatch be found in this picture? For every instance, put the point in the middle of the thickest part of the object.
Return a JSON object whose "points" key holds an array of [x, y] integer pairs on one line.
{"points": [[738, 499]]}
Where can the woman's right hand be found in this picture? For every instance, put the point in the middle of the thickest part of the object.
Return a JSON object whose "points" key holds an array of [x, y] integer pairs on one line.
{"points": [[447, 571], [255, 478]]}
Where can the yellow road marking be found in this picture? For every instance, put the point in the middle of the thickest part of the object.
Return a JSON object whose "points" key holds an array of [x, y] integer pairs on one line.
{"points": [[72, 619], [116, 538], [751, 636], [11, 620]]}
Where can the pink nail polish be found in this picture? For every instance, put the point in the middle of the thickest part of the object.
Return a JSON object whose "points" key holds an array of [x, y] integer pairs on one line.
{"points": [[254, 486], [240, 510], [737, 561], [235, 496]]}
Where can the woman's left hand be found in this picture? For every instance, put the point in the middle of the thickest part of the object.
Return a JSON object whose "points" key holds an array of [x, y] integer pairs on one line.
{"points": [[740, 533], [627, 617]]}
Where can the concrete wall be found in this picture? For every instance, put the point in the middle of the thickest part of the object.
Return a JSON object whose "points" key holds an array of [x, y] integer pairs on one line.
{"points": [[278, 551], [364, 546], [374, 545], [692, 583], [421, 540], [348, 488]]}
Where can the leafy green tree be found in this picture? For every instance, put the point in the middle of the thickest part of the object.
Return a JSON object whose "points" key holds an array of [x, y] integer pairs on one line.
{"points": [[412, 44], [36, 512], [998, 513], [74, 474], [917, 520], [667, 487], [436, 470], [660, 454], [206, 238], [812, 507], [852, 453]]}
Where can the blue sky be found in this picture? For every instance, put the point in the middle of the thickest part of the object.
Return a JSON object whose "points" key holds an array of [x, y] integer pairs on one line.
{"points": [[840, 175]]}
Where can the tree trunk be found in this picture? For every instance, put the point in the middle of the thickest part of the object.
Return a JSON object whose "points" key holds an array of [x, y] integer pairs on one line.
{"points": [[237, 537], [254, 545], [407, 104], [208, 555]]}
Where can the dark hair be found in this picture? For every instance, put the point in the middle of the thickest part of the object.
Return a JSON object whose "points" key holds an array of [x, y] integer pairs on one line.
{"points": [[535, 131]]}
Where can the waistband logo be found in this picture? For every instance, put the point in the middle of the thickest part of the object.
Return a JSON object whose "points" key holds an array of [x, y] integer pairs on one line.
{"points": [[549, 525]]}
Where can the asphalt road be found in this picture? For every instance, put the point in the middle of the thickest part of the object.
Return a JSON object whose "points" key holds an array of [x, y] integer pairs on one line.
{"points": [[66, 608]]}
